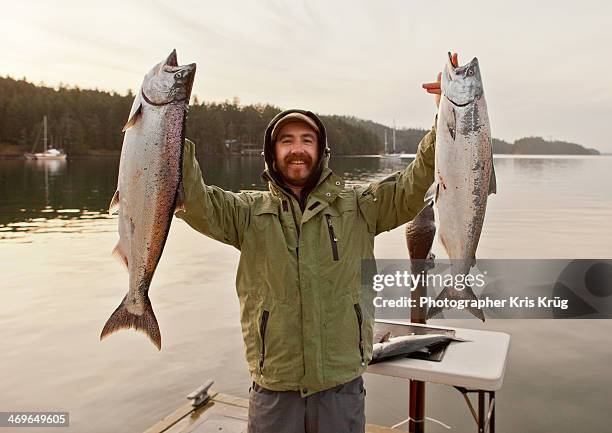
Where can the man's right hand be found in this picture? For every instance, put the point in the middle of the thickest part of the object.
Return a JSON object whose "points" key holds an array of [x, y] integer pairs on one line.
{"points": [[434, 87]]}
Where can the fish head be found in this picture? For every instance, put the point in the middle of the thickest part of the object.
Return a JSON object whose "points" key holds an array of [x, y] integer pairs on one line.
{"points": [[168, 82], [462, 85]]}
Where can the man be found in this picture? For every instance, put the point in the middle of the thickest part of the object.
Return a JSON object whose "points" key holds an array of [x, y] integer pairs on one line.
{"points": [[307, 320]]}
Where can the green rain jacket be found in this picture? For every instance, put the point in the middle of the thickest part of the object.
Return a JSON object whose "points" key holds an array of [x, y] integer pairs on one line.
{"points": [[307, 318]]}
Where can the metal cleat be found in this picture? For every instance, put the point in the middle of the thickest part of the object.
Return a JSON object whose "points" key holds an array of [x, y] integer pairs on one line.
{"points": [[200, 395]]}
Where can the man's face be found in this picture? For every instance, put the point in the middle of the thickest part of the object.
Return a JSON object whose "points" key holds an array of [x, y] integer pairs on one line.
{"points": [[296, 152]]}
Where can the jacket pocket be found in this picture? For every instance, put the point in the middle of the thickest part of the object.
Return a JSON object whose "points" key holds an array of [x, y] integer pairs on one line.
{"points": [[263, 324], [360, 322], [332, 238]]}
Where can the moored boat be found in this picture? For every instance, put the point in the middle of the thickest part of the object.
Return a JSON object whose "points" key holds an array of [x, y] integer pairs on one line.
{"points": [[47, 153]]}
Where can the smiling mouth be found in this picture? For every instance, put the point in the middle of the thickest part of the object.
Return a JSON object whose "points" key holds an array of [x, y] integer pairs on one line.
{"points": [[297, 163]]}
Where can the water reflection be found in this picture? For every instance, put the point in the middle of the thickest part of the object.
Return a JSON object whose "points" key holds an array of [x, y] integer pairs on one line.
{"points": [[38, 195], [49, 168]]}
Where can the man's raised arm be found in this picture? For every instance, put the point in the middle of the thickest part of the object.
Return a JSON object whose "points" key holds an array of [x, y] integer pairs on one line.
{"points": [[219, 214], [397, 199]]}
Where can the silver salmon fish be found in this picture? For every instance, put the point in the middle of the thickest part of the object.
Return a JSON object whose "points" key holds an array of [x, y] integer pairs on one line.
{"points": [[403, 345], [149, 187], [464, 175]]}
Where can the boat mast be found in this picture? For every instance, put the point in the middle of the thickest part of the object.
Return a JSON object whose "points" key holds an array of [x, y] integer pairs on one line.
{"points": [[393, 135], [45, 129], [385, 141]]}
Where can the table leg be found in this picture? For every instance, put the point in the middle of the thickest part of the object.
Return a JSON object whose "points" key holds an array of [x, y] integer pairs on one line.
{"points": [[417, 407], [493, 402], [481, 411], [485, 417]]}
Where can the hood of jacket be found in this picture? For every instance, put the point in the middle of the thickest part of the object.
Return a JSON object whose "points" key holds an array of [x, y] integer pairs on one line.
{"points": [[320, 170]]}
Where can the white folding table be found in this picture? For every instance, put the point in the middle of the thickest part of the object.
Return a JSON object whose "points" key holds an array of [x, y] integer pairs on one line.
{"points": [[475, 366]]}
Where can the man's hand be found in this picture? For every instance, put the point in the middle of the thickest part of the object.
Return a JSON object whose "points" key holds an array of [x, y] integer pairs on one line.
{"points": [[434, 88]]}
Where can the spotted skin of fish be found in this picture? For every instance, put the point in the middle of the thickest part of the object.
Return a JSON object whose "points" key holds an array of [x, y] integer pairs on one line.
{"points": [[463, 171], [149, 188]]}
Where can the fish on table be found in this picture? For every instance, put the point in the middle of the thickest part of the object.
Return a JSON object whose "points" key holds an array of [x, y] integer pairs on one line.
{"points": [[149, 187], [393, 347], [464, 175]]}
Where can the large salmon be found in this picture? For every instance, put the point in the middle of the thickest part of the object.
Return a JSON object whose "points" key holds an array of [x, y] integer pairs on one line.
{"points": [[149, 187], [464, 175]]}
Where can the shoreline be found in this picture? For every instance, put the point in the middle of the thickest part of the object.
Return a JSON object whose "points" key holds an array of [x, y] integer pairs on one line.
{"points": [[117, 154]]}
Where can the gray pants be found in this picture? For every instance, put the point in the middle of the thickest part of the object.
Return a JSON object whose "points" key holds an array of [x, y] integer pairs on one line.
{"points": [[335, 410]]}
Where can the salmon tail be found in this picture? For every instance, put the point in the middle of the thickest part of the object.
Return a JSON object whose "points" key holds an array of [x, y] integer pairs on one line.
{"points": [[123, 319], [451, 293]]}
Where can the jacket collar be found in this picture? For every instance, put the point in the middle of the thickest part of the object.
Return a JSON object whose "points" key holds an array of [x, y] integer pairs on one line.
{"points": [[320, 197]]}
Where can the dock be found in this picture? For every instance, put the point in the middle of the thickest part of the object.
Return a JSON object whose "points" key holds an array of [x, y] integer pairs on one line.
{"points": [[208, 411]]}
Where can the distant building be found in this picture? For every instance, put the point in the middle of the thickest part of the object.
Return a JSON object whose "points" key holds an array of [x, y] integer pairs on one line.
{"points": [[250, 149], [236, 147]]}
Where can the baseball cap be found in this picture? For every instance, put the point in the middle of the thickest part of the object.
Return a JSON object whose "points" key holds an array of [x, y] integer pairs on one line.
{"points": [[293, 117]]}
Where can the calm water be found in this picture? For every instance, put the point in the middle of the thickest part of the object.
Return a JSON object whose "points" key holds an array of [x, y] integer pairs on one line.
{"points": [[59, 285]]}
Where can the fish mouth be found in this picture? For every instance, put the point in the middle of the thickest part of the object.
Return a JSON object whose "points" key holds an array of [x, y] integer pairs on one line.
{"points": [[456, 104], [461, 85], [192, 68], [188, 78], [458, 70]]}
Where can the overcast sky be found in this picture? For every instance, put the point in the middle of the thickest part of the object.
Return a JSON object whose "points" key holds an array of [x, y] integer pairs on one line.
{"points": [[546, 65]]}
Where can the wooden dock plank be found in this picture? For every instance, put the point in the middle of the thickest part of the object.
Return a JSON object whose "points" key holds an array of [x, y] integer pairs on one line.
{"points": [[223, 413], [372, 428], [169, 420], [230, 399]]}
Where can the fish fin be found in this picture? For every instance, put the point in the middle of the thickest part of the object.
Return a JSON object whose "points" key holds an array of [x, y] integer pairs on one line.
{"points": [[451, 293], [452, 124], [433, 311], [432, 192], [492, 181], [385, 337], [120, 254], [133, 119], [135, 112], [114, 204], [123, 319], [460, 340], [180, 198]]}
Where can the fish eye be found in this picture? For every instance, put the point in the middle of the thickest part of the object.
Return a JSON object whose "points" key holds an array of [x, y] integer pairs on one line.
{"points": [[470, 72], [179, 75]]}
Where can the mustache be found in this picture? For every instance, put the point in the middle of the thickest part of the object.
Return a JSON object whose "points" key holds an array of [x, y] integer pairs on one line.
{"points": [[298, 157]]}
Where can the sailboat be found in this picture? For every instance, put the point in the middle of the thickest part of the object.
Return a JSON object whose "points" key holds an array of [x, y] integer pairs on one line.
{"points": [[393, 154], [47, 153]]}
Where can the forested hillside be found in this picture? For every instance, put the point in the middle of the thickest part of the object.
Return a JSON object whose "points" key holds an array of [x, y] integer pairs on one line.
{"points": [[89, 122]]}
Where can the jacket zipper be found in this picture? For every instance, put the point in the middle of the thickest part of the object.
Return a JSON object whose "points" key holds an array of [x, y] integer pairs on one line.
{"points": [[262, 331], [332, 238], [297, 227], [360, 321]]}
